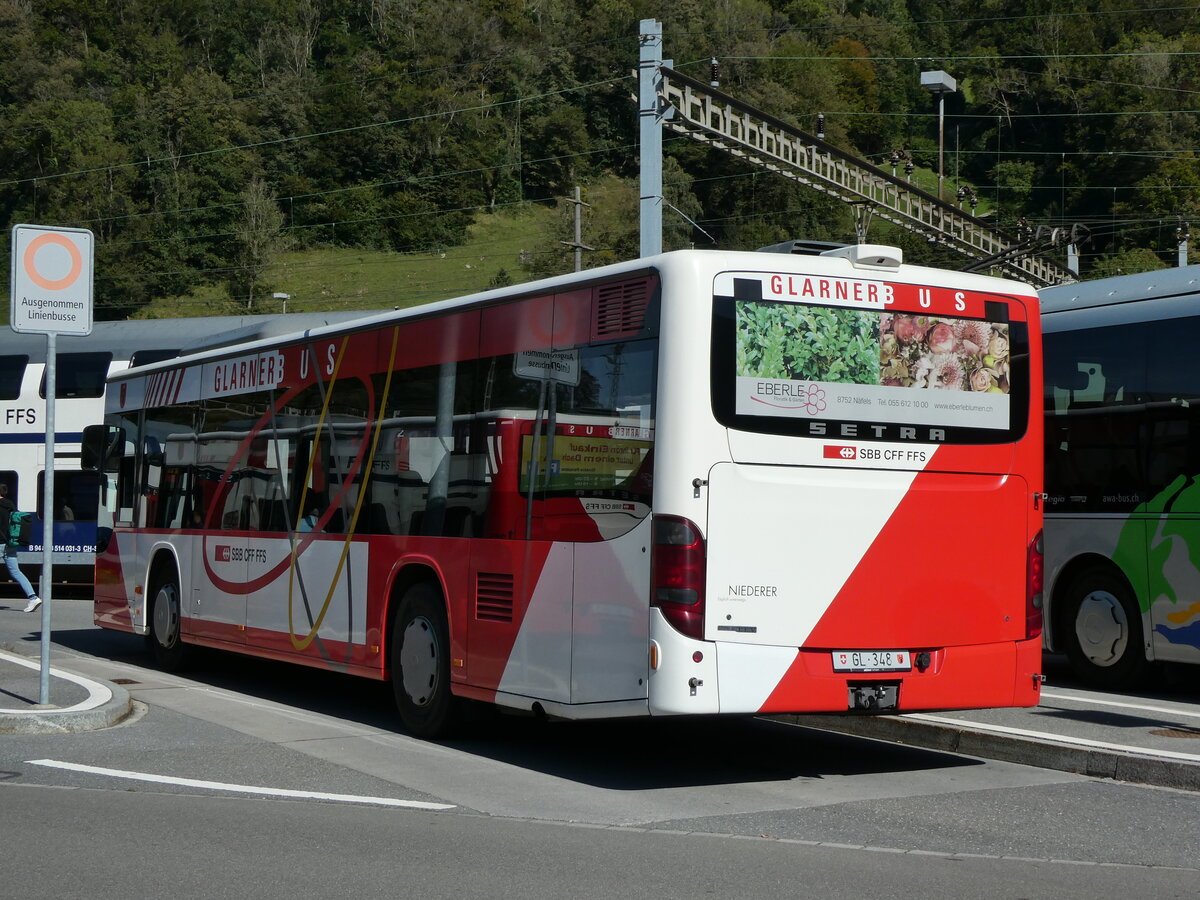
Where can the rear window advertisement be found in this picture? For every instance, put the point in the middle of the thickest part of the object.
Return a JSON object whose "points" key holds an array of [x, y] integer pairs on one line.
{"points": [[801, 361]]}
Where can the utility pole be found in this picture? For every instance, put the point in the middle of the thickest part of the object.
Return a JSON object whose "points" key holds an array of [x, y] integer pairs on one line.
{"points": [[577, 243], [650, 81]]}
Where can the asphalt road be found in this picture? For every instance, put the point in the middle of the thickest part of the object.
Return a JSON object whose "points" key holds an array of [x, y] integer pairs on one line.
{"points": [[138, 844], [254, 778]]}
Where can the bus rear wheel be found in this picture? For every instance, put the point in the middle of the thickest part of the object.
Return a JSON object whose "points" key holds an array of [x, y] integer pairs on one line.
{"points": [[166, 640], [420, 663], [1104, 630]]}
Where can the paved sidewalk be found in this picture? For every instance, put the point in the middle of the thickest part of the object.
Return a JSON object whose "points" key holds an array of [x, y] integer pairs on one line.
{"points": [[76, 703], [970, 734]]}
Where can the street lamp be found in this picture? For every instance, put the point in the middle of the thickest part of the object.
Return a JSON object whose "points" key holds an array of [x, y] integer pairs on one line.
{"points": [[939, 84]]}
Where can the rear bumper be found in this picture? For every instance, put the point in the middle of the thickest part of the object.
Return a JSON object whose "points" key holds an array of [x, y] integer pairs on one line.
{"points": [[704, 677], [977, 676]]}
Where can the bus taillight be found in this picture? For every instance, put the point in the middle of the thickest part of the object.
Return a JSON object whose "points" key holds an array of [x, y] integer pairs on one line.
{"points": [[677, 580], [1035, 571]]}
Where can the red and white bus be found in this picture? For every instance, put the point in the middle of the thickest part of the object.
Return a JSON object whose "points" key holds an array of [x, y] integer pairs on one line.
{"points": [[699, 483]]}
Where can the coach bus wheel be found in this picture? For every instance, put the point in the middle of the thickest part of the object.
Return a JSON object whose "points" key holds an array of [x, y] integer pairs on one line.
{"points": [[1104, 630], [420, 661], [169, 649]]}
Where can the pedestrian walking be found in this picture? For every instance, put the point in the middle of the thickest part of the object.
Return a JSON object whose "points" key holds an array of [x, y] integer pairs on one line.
{"points": [[7, 508], [309, 522]]}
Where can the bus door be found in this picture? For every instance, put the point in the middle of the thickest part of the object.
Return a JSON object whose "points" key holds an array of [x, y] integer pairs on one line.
{"points": [[519, 623], [520, 631], [107, 451], [215, 605]]}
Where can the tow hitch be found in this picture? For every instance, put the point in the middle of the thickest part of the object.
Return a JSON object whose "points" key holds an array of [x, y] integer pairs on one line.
{"points": [[873, 698]]}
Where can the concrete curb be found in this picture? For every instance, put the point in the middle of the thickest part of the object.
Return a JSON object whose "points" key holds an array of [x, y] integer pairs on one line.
{"points": [[106, 705], [1133, 767]]}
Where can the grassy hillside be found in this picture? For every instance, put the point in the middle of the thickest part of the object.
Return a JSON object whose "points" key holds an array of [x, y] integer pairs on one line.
{"points": [[347, 279], [341, 278]]}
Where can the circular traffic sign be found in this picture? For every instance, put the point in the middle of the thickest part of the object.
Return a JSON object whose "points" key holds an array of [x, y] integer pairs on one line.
{"points": [[41, 261]]}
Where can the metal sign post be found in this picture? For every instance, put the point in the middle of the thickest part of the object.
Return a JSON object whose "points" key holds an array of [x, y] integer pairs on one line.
{"points": [[51, 287]]}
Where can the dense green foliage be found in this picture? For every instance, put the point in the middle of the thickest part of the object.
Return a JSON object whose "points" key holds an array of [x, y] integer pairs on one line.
{"points": [[200, 139], [792, 341]]}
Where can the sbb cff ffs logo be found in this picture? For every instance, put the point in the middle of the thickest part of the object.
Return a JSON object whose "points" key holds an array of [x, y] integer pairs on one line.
{"points": [[840, 451]]}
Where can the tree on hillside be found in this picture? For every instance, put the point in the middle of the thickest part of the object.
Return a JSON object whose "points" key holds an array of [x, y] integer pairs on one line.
{"points": [[1127, 262], [261, 240], [390, 124]]}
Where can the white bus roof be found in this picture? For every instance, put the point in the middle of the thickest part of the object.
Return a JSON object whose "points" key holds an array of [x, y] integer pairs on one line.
{"points": [[708, 260], [186, 336]]}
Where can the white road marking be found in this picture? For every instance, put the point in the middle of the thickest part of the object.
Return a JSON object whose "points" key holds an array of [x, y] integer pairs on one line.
{"points": [[1054, 738], [1162, 710], [98, 694], [239, 788]]}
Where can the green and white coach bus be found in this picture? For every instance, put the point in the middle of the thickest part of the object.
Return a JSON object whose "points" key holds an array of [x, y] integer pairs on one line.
{"points": [[1122, 524]]}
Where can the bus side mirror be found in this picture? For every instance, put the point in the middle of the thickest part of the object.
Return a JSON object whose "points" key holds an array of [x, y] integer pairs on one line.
{"points": [[152, 453], [101, 443]]}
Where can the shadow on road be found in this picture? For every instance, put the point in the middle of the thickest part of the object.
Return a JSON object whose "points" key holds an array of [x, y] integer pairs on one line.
{"points": [[1164, 681], [643, 754], [629, 754]]}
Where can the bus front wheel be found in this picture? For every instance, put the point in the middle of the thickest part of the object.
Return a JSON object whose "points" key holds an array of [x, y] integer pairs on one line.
{"points": [[420, 663], [170, 652], [1104, 630]]}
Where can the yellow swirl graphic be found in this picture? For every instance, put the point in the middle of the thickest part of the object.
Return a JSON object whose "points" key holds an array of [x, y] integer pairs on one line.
{"points": [[302, 643]]}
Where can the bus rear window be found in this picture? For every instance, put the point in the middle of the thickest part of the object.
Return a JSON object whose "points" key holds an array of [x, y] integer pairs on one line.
{"points": [[78, 375], [145, 357], [881, 372]]}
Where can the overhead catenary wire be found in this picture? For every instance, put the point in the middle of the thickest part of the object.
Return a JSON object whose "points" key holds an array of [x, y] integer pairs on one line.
{"points": [[274, 142], [1122, 54], [314, 88], [375, 185], [962, 20], [349, 222]]}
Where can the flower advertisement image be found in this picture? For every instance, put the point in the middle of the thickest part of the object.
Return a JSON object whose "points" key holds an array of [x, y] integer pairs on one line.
{"points": [[943, 353]]}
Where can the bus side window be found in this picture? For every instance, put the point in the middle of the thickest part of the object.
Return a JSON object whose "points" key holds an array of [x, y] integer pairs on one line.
{"points": [[122, 482], [1096, 395], [75, 495], [10, 478], [12, 373], [1173, 412]]}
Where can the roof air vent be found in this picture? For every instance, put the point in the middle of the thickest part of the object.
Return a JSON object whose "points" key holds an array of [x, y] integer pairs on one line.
{"points": [[802, 248], [620, 309], [873, 256]]}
